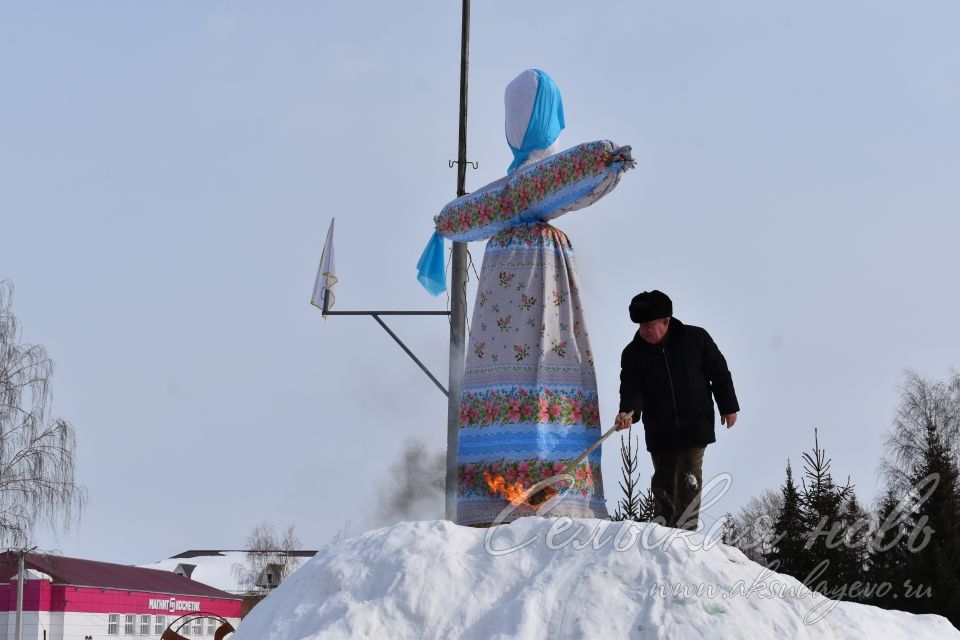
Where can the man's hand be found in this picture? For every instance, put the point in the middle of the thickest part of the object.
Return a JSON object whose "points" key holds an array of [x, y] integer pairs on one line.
{"points": [[728, 419], [624, 420]]}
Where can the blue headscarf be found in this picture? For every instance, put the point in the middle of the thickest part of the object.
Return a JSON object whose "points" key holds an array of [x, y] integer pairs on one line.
{"points": [[546, 120], [546, 123]]}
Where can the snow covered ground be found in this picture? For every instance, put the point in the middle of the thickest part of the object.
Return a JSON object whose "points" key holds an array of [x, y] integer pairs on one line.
{"points": [[435, 579]]}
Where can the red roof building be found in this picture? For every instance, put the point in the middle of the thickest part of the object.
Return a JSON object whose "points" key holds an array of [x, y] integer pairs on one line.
{"points": [[74, 599]]}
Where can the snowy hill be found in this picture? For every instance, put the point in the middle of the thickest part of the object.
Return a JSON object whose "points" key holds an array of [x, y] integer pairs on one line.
{"points": [[435, 579]]}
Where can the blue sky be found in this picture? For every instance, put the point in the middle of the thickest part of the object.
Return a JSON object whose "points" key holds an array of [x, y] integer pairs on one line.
{"points": [[168, 172]]}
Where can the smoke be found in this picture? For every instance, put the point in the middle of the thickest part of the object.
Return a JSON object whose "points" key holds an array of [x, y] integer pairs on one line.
{"points": [[414, 487]]}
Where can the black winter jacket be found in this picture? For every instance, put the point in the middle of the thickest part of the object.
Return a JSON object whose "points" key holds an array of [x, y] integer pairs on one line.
{"points": [[669, 385]]}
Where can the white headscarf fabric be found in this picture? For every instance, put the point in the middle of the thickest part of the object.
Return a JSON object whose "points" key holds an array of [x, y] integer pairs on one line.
{"points": [[520, 100]]}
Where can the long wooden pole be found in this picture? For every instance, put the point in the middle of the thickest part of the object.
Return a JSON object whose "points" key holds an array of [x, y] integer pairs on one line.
{"points": [[458, 286]]}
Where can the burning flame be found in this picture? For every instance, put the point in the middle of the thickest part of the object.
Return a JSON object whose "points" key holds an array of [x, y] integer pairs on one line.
{"points": [[513, 492], [498, 484]]}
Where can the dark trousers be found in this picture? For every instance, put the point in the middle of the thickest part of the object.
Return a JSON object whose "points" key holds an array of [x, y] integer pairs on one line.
{"points": [[677, 479]]}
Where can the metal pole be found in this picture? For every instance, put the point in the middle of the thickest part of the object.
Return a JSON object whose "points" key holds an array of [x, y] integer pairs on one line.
{"points": [[20, 568], [410, 353], [388, 313], [458, 286]]}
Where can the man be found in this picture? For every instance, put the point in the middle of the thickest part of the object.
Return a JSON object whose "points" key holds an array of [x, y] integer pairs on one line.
{"points": [[667, 375]]}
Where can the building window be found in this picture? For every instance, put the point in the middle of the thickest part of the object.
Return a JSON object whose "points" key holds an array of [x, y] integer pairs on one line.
{"points": [[211, 626], [113, 624], [198, 627], [270, 577], [159, 625], [144, 625], [129, 622]]}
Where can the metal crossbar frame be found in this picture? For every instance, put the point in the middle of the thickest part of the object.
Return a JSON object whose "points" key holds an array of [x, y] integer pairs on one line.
{"points": [[376, 316]]}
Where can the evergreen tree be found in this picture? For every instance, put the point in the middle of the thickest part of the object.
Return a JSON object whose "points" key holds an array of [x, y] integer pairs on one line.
{"points": [[935, 564], [631, 505], [888, 552], [789, 533], [923, 446], [634, 505], [857, 532], [820, 501], [646, 507]]}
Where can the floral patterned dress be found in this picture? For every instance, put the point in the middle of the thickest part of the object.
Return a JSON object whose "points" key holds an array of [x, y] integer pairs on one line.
{"points": [[529, 402]]}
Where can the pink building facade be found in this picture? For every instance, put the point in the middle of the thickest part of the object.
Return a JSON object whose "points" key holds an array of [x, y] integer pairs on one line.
{"points": [[73, 599]]}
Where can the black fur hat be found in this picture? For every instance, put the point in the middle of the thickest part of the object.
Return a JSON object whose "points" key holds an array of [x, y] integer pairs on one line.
{"points": [[650, 305]]}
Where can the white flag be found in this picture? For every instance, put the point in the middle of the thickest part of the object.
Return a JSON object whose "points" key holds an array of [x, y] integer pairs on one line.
{"points": [[326, 276]]}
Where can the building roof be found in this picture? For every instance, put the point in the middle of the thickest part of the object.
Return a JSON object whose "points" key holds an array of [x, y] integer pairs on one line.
{"points": [[196, 553], [217, 567], [106, 575]]}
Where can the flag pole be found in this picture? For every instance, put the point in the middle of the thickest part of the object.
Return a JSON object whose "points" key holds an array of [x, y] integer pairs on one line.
{"points": [[323, 298], [458, 286]]}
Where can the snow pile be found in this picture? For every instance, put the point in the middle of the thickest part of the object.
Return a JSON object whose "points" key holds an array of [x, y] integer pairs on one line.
{"points": [[435, 579]]}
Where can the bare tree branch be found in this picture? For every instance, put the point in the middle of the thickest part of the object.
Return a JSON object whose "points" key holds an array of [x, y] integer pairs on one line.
{"points": [[755, 524], [923, 403], [37, 483], [267, 552]]}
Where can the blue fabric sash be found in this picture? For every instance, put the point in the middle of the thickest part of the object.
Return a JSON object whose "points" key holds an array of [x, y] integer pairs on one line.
{"points": [[431, 271]]}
